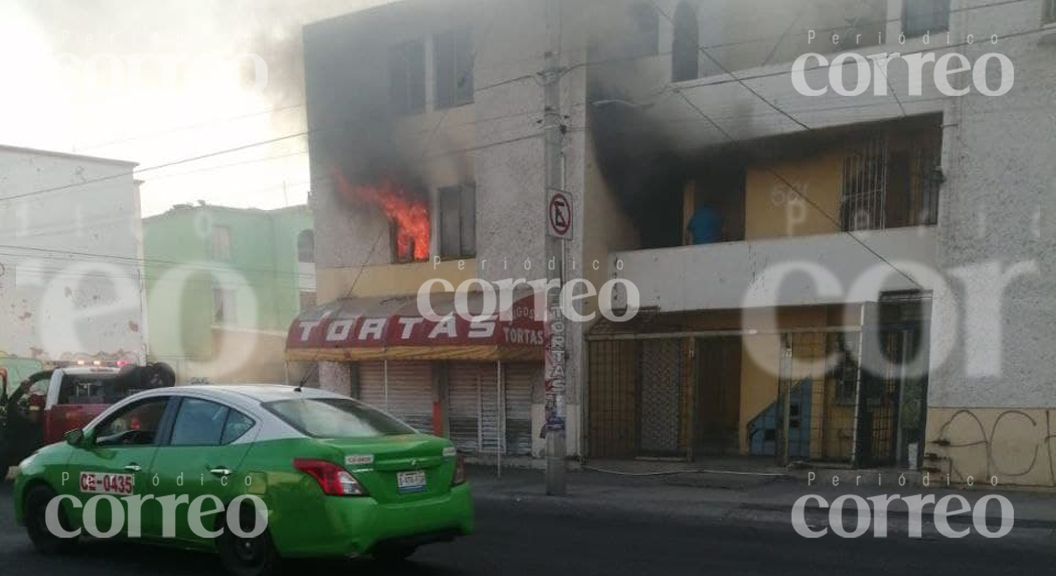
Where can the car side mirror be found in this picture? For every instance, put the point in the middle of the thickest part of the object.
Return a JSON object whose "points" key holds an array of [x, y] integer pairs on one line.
{"points": [[74, 437]]}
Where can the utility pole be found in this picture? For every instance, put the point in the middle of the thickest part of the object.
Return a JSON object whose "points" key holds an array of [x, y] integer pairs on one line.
{"points": [[554, 336]]}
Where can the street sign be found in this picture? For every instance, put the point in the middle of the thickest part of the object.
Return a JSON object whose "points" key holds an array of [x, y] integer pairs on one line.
{"points": [[559, 216]]}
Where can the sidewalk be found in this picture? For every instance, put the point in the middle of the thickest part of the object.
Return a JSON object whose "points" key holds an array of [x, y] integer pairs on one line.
{"points": [[742, 497]]}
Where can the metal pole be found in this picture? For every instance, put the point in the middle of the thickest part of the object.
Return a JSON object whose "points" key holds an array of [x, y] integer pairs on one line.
{"points": [[553, 127], [501, 428], [480, 416], [855, 456]]}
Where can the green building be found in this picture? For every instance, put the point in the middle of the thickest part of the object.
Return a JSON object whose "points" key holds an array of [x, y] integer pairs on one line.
{"points": [[223, 285]]}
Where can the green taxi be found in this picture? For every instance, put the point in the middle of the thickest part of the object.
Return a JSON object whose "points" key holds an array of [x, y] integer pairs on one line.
{"points": [[255, 473]]}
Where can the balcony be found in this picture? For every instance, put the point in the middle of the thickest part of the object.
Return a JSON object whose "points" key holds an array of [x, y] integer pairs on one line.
{"points": [[718, 276]]}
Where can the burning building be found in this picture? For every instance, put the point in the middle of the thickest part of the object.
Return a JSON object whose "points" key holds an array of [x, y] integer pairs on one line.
{"points": [[407, 213], [698, 187]]}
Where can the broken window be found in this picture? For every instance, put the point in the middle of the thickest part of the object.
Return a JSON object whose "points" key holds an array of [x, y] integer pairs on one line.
{"points": [[458, 221], [685, 48], [924, 16], [453, 62], [407, 77]]}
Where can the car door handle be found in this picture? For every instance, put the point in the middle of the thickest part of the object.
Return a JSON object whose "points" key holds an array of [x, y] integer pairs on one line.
{"points": [[133, 467], [221, 471]]}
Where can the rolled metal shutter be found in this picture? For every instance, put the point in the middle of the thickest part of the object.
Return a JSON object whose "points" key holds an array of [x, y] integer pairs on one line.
{"points": [[520, 379], [490, 407], [372, 384], [411, 394], [463, 405]]}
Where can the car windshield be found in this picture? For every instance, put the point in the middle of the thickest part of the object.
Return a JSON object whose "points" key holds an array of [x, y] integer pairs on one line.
{"points": [[337, 418]]}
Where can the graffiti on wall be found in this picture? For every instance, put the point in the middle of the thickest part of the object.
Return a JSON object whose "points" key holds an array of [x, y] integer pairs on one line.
{"points": [[1017, 446]]}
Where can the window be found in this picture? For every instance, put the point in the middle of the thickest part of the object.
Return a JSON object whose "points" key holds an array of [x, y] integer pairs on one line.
{"points": [[199, 423], [924, 16], [205, 423], [236, 426], [135, 425], [1050, 11], [306, 246], [337, 418], [453, 62], [645, 28], [307, 300], [458, 221], [220, 243], [224, 311], [685, 47], [864, 185], [407, 77], [892, 181]]}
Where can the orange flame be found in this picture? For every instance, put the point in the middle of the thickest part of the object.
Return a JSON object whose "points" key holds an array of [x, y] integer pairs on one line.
{"points": [[409, 214]]}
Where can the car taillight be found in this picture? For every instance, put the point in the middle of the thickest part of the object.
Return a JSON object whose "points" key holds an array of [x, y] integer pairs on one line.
{"points": [[460, 471], [333, 479]]}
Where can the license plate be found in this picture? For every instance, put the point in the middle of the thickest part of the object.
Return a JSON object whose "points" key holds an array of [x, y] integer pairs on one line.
{"points": [[413, 481], [102, 483]]}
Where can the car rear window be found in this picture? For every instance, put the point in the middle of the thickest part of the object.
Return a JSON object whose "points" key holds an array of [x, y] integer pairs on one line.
{"points": [[336, 418]]}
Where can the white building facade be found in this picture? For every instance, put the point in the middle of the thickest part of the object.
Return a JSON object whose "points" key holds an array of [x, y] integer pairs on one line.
{"points": [[71, 286], [852, 226]]}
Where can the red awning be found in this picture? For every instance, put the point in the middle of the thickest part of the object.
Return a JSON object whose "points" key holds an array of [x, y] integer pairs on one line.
{"points": [[392, 328]]}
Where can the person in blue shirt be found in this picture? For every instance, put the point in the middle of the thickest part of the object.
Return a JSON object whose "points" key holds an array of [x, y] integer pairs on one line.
{"points": [[705, 226]]}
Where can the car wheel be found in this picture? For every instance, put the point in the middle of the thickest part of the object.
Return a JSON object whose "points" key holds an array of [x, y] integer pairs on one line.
{"points": [[254, 556], [37, 525], [393, 554]]}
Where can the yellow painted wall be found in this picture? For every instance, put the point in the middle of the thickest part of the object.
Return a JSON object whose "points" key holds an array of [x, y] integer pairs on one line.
{"points": [[388, 279], [759, 370], [772, 210], [609, 229]]}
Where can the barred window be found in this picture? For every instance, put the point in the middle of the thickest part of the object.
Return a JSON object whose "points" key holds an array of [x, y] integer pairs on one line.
{"points": [[864, 186], [891, 183]]}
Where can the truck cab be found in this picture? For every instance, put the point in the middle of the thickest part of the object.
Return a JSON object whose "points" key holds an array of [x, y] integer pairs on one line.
{"points": [[50, 403]]}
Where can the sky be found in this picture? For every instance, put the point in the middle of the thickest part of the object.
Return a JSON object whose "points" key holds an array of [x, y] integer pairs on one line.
{"points": [[162, 81]]}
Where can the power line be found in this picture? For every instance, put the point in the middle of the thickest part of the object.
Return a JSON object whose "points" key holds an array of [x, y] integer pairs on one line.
{"points": [[709, 83], [191, 127]]}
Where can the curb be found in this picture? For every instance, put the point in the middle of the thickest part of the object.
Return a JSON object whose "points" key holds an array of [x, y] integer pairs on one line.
{"points": [[745, 513]]}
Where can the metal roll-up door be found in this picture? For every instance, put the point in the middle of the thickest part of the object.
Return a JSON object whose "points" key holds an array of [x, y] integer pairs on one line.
{"points": [[520, 379], [411, 394], [490, 407], [473, 406], [372, 384]]}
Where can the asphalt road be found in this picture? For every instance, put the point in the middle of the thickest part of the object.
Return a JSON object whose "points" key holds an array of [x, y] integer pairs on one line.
{"points": [[522, 538]]}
